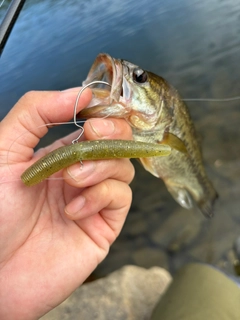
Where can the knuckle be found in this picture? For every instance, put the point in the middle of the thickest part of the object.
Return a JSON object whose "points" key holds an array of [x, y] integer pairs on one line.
{"points": [[117, 191], [28, 96], [123, 129], [132, 173], [125, 170], [106, 187]]}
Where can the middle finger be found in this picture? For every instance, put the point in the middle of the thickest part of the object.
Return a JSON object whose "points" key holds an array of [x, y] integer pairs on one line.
{"points": [[93, 172]]}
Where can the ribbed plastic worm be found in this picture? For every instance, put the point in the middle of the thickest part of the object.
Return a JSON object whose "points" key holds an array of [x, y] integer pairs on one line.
{"points": [[90, 150]]}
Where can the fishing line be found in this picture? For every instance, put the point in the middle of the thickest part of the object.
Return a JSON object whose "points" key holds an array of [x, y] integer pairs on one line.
{"points": [[2, 3], [20, 136], [213, 99], [75, 122], [78, 123]]}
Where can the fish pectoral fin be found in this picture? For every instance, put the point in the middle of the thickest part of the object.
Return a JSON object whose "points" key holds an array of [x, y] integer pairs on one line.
{"points": [[206, 204], [174, 142], [147, 164], [181, 195]]}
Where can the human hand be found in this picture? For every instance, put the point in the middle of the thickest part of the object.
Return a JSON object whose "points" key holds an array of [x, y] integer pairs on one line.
{"points": [[53, 235]]}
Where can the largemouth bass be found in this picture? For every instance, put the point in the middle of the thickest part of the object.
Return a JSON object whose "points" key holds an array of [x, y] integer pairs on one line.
{"points": [[156, 114]]}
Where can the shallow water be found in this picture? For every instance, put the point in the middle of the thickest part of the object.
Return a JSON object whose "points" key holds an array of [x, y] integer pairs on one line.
{"points": [[195, 45]]}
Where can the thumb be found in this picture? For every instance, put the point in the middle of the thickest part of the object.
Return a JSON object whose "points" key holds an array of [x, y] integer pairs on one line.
{"points": [[24, 125]]}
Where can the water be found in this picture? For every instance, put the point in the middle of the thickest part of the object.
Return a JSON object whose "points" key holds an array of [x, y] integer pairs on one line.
{"points": [[195, 45]]}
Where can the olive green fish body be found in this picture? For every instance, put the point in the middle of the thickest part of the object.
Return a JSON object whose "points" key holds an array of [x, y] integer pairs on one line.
{"points": [[89, 150], [157, 114], [182, 172]]}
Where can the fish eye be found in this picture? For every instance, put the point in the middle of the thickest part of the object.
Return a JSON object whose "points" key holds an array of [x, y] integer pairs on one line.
{"points": [[139, 75]]}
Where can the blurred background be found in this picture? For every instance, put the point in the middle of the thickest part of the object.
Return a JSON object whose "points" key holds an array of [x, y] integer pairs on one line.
{"points": [[195, 45]]}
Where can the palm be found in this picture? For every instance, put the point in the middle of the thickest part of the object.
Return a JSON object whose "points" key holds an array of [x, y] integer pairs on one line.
{"points": [[42, 242]]}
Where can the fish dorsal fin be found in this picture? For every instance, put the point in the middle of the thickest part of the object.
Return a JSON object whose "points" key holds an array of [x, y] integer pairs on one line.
{"points": [[181, 195], [174, 142]]}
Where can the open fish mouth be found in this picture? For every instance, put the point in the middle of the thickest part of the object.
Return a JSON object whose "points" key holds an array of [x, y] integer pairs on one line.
{"points": [[107, 100]]}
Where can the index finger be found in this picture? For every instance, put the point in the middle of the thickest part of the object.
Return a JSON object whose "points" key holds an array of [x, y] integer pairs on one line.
{"points": [[31, 114]]}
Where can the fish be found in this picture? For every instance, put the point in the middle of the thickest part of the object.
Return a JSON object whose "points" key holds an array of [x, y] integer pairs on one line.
{"points": [[89, 150], [157, 114]]}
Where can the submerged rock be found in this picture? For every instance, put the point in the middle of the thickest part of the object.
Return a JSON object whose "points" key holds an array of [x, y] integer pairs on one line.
{"points": [[129, 293]]}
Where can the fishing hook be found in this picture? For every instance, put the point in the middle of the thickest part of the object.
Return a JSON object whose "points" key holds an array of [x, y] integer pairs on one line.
{"points": [[76, 104]]}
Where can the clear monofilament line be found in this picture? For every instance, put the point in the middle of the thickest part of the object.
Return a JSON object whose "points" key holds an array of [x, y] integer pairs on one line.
{"points": [[212, 99]]}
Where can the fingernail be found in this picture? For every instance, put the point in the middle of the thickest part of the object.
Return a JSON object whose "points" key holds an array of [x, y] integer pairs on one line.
{"points": [[81, 171], [102, 127], [75, 206]]}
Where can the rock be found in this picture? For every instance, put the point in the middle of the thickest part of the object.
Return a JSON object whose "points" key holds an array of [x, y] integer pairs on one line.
{"points": [[147, 257], [129, 293], [179, 231]]}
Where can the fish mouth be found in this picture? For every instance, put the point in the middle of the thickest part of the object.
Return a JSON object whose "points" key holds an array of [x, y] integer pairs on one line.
{"points": [[108, 99]]}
